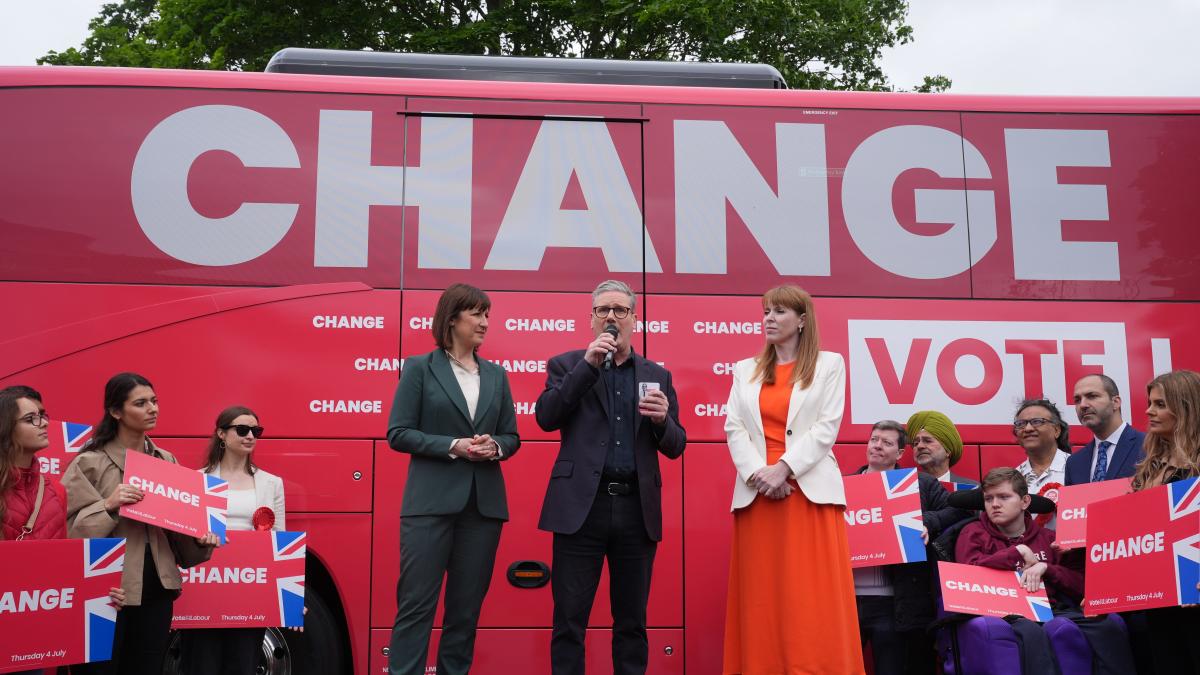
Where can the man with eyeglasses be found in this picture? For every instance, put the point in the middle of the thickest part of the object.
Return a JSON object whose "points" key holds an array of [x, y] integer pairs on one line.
{"points": [[616, 412]]}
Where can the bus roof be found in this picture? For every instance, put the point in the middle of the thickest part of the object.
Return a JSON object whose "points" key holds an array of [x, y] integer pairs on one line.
{"points": [[71, 76], [525, 69]]}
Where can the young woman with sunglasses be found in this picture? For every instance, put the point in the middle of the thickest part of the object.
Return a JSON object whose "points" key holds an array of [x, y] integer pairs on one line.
{"points": [[255, 503], [96, 490]]}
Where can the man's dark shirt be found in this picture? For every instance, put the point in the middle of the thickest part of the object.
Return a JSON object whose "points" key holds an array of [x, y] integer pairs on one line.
{"points": [[622, 400]]}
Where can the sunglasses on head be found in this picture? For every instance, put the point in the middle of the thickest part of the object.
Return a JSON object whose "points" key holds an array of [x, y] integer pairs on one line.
{"points": [[243, 429]]}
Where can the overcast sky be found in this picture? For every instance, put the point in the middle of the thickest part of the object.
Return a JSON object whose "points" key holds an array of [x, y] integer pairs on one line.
{"points": [[1101, 47]]}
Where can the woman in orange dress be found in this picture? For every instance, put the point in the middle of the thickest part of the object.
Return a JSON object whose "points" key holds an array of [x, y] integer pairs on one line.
{"points": [[791, 593]]}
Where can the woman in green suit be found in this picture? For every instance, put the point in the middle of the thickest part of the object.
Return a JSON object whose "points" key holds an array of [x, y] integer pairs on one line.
{"points": [[453, 412]]}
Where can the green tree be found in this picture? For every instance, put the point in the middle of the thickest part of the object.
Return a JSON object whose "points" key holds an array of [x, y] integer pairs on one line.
{"points": [[816, 44]]}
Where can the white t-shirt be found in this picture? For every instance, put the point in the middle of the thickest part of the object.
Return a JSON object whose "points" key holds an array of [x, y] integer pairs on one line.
{"points": [[239, 512]]}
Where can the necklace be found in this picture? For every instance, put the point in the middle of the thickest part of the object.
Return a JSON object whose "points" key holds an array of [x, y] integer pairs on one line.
{"points": [[471, 371]]}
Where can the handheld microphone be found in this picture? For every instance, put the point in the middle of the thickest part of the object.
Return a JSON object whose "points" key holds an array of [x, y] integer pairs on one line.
{"points": [[616, 333]]}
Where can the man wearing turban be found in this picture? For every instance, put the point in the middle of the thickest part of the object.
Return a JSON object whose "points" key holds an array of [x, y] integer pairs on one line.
{"points": [[936, 445]]}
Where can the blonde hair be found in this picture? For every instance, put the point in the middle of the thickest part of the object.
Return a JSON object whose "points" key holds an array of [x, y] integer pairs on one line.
{"points": [[1180, 451], [798, 300]]}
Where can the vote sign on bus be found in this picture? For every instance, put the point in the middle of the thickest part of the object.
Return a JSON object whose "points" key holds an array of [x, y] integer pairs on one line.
{"points": [[883, 518], [1143, 549], [54, 604], [256, 580], [176, 498], [990, 592], [1073, 503]]}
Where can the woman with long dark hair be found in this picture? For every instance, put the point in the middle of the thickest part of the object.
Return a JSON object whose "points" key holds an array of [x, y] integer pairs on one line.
{"points": [[96, 490], [1172, 448], [255, 503]]}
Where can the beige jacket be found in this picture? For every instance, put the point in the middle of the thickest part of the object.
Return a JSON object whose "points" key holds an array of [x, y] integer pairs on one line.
{"points": [[89, 479], [814, 417]]}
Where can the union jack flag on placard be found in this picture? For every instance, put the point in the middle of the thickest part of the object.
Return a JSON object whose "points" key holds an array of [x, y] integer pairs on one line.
{"points": [[75, 435], [216, 503], [1040, 606], [883, 517], [1185, 503]]}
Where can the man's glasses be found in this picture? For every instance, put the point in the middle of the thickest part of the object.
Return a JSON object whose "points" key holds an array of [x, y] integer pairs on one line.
{"points": [[1036, 423], [35, 419], [618, 312], [243, 429]]}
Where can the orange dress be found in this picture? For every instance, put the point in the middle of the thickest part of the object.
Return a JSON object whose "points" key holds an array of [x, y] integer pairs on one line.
{"points": [[791, 603]]}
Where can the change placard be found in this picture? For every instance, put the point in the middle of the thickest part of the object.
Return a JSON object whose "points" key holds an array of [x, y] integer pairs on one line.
{"points": [[1073, 503], [972, 589], [54, 604], [1143, 549], [255, 580], [883, 518], [176, 498]]}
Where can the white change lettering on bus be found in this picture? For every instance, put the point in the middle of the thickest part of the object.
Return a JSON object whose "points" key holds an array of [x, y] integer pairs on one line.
{"points": [[727, 327], [786, 211], [344, 406], [711, 409], [723, 368], [373, 364], [523, 365], [421, 323], [974, 370], [338, 321], [540, 325], [656, 327], [524, 407]]}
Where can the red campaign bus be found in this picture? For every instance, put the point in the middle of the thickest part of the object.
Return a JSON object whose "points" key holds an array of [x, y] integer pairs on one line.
{"points": [[279, 240]]}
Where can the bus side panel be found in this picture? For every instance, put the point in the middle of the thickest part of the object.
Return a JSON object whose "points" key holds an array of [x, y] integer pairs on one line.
{"points": [[507, 606], [306, 362], [1102, 200], [500, 651]]}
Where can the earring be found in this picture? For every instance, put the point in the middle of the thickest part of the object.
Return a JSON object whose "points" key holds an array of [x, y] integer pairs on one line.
{"points": [[222, 445]]}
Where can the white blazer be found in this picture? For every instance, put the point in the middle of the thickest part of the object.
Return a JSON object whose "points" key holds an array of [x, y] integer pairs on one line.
{"points": [[268, 491], [814, 416]]}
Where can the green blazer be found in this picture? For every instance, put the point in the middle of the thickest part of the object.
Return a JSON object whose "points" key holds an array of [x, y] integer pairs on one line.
{"points": [[428, 413]]}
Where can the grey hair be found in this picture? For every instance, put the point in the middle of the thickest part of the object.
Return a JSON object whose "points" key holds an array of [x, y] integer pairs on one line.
{"points": [[612, 285]]}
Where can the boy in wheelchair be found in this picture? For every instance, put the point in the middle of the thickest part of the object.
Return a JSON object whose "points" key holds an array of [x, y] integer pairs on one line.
{"points": [[1006, 537]]}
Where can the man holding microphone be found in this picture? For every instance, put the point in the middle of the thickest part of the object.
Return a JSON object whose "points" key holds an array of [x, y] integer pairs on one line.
{"points": [[616, 411]]}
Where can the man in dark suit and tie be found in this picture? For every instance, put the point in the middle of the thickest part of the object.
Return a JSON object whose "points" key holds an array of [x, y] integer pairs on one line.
{"points": [[1116, 447], [604, 499], [1113, 452]]}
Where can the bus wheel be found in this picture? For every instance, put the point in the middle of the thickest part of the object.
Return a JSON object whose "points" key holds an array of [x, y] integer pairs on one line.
{"points": [[316, 651]]}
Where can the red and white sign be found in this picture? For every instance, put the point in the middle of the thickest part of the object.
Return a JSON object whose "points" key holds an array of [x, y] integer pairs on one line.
{"points": [[54, 604], [1143, 549], [176, 498], [1073, 501], [990, 592], [883, 518], [255, 580]]}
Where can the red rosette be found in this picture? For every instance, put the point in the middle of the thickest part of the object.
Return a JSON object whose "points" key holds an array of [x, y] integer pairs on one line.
{"points": [[1049, 491], [263, 518]]}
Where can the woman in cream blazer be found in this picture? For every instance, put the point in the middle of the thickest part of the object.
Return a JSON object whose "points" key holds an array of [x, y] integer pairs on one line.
{"points": [[814, 416], [791, 601], [255, 503]]}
